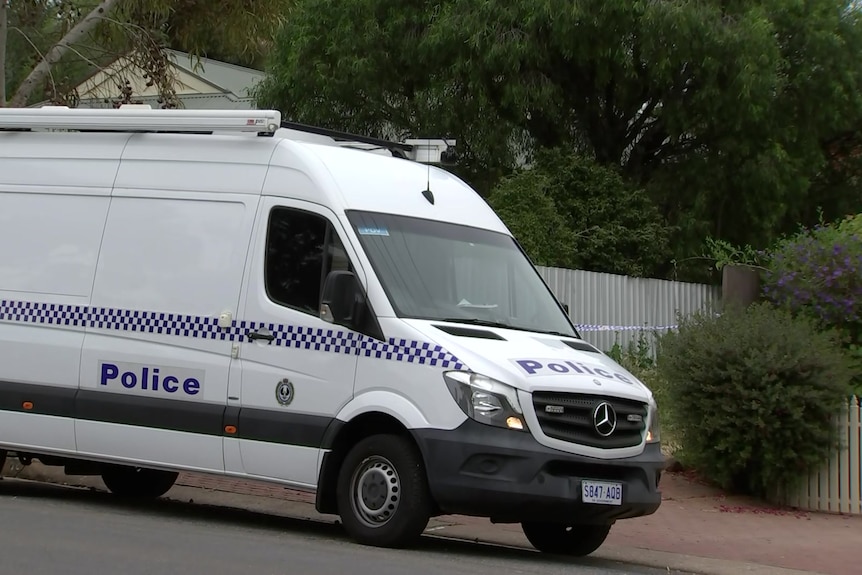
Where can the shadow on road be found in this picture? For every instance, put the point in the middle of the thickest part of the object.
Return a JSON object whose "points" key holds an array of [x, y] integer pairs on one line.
{"points": [[235, 518]]}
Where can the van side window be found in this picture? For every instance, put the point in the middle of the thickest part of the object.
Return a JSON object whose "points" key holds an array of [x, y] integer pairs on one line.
{"points": [[301, 249]]}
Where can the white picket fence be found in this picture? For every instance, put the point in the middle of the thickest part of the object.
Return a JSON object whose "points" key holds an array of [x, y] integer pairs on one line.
{"points": [[837, 486]]}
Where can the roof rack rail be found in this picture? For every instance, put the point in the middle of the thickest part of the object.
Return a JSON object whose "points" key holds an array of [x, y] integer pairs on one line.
{"points": [[345, 136], [424, 150], [131, 118], [143, 118]]}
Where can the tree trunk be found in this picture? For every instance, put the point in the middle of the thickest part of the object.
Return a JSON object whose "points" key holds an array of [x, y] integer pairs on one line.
{"points": [[43, 68], [4, 34]]}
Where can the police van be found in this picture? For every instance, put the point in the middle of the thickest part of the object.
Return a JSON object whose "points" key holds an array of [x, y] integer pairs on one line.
{"points": [[214, 292]]}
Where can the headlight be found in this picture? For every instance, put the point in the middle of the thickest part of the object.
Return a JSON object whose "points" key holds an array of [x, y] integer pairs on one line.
{"points": [[654, 431], [486, 400]]}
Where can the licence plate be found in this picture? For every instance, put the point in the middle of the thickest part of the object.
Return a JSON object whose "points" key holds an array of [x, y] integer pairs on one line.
{"points": [[601, 492]]}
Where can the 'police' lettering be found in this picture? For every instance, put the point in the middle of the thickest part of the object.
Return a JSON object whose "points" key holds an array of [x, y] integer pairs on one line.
{"points": [[529, 365], [149, 378], [558, 367]]}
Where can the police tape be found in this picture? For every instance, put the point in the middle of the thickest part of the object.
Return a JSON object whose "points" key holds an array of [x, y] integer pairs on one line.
{"points": [[598, 327]]}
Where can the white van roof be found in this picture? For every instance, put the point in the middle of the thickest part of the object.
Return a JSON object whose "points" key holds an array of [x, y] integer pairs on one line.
{"points": [[143, 118], [372, 180]]}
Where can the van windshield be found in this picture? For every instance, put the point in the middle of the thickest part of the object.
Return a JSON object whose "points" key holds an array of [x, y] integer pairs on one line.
{"points": [[446, 272]]}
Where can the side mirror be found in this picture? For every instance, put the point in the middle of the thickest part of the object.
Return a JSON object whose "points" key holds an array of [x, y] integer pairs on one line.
{"points": [[343, 302], [566, 307]]}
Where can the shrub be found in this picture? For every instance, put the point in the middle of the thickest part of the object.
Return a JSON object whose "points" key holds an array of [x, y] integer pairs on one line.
{"points": [[818, 272], [753, 394], [637, 358], [637, 353]]}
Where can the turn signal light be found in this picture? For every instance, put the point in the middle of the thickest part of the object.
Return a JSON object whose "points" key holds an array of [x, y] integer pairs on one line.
{"points": [[515, 423]]}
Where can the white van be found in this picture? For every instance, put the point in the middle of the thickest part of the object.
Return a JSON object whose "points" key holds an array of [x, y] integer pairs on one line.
{"points": [[203, 291]]}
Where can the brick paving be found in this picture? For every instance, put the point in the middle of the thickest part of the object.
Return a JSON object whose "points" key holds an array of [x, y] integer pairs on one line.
{"points": [[693, 520], [243, 487]]}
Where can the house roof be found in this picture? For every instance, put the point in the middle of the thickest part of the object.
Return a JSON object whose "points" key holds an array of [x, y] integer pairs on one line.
{"points": [[226, 77], [198, 83]]}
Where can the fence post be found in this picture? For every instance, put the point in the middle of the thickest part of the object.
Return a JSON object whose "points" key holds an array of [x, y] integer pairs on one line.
{"points": [[740, 284], [854, 446]]}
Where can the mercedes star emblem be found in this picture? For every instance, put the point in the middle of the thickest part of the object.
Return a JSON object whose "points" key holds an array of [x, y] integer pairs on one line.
{"points": [[605, 419]]}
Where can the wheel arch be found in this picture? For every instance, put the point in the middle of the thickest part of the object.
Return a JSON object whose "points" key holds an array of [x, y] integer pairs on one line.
{"points": [[355, 423]]}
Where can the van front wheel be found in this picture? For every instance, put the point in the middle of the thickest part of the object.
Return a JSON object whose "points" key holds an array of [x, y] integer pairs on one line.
{"points": [[561, 539], [383, 496], [138, 483]]}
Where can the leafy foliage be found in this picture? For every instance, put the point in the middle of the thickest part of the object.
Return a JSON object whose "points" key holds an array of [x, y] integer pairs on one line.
{"points": [[753, 393], [524, 203], [723, 253], [570, 212], [720, 110], [638, 358], [636, 354], [237, 30], [818, 272]]}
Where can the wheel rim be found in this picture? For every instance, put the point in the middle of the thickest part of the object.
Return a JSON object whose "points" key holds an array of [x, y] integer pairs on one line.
{"points": [[375, 491]]}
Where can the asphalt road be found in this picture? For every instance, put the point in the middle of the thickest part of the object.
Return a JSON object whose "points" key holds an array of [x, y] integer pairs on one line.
{"points": [[54, 529]]}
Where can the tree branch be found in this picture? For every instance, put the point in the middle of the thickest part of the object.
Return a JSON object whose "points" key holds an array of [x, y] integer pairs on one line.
{"points": [[4, 34], [59, 50], [636, 127], [37, 51]]}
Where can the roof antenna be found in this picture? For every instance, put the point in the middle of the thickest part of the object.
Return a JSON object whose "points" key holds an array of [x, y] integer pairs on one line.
{"points": [[427, 193]]}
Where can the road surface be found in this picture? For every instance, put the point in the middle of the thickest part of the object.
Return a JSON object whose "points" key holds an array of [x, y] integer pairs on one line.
{"points": [[52, 529]]}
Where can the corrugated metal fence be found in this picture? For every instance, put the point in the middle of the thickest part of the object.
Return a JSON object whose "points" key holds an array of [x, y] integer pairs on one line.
{"points": [[608, 308]]}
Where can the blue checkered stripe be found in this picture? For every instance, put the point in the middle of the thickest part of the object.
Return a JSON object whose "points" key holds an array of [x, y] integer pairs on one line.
{"points": [[351, 343], [203, 327], [112, 319]]}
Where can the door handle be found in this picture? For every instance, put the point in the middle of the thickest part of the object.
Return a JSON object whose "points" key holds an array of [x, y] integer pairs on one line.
{"points": [[255, 335]]}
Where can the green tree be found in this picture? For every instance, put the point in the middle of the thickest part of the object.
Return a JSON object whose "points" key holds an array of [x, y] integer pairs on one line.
{"points": [[720, 109], [48, 46], [525, 203], [568, 211]]}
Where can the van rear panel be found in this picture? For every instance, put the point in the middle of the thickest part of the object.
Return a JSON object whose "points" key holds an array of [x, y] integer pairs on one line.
{"points": [[50, 230]]}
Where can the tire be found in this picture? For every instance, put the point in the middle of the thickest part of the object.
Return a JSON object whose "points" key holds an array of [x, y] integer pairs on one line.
{"points": [[562, 539], [2, 460], [397, 504], [134, 482]]}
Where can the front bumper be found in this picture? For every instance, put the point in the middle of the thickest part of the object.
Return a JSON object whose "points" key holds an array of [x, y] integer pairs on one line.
{"points": [[507, 476]]}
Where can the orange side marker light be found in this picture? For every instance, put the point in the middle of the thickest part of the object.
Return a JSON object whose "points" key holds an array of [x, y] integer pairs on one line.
{"points": [[230, 429], [28, 405]]}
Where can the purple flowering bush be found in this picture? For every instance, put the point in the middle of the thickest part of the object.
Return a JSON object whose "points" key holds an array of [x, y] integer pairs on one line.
{"points": [[818, 273]]}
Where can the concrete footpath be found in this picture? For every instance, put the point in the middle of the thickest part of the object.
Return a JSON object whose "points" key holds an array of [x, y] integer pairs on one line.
{"points": [[697, 529]]}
